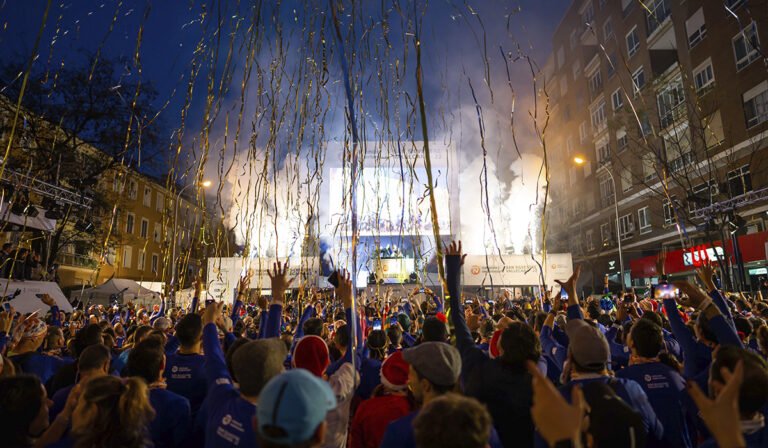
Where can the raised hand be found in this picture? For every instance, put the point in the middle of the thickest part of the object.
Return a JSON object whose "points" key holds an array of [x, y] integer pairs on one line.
{"points": [[6, 319], [693, 296], [344, 291], [570, 285], [212, 314], [48, 300], [705, 272], [278, 276], [555, 419], [721, 415], [245, 281], [454, 250]]}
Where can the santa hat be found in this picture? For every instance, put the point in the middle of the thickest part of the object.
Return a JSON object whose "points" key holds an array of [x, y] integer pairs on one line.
{"points": [[493, 346], [394, 372], [311, 353]]}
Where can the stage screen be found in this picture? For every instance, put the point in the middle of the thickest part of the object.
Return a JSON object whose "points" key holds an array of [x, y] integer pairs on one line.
{"points": [[388, 202]]}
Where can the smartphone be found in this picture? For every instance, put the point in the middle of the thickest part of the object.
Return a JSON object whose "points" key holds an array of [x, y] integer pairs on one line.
{"points": [[563, 294], [208, 302], [629, 298], [377, 324], [421, 291], [333, 279], [664, 291], [393, 321], [468, 302]]}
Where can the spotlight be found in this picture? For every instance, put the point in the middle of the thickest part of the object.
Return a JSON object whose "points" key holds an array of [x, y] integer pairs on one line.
{"points": [[84, 226], [54, 213], [31, 211], [413, 277], [17, 208]]}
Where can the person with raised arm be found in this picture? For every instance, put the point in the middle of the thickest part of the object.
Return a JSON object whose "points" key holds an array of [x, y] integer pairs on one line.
{"points": [[589, 360], [503, 384], [229, 409]]}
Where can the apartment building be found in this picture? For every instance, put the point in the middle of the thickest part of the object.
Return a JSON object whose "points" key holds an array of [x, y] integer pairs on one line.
{"points": [[67, 219], [659, 111]]}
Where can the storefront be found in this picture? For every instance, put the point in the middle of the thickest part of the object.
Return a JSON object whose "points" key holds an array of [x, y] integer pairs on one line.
{"points": [[682, 263]]}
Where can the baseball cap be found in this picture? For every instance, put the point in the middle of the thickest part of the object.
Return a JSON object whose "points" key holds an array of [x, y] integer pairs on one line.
{"points": [[587, 345], [438, 362], [296, 402]]}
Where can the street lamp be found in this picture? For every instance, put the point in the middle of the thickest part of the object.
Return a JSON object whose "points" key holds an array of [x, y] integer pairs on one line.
{"points": [[579, 160], [204, 184]]}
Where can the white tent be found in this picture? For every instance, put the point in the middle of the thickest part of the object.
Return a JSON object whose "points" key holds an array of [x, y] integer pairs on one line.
{"points": [[28, 298], [122, 289]]}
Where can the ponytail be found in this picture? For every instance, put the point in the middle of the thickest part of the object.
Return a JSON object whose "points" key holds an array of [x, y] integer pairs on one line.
{"points": [[670, 360], [134, 404]]}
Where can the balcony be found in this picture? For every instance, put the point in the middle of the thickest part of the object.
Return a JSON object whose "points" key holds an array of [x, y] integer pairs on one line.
{"points": [[656, 15], [77, 261]]}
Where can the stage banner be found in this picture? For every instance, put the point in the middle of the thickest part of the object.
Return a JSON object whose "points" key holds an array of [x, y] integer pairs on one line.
{"points": [[26, 296], [516, 270], [224, 274]]}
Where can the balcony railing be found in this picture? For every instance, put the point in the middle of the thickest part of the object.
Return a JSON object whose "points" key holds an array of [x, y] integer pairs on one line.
{"points": [[78, 261], [657, 14]]}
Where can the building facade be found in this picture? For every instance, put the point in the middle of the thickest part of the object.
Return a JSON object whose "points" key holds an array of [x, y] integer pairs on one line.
{"points": [[664, 105]]}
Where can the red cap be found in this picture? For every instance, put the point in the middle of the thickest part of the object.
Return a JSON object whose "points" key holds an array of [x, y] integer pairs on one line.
{"points": [[394, 372], [311, 353], [493, 346]]}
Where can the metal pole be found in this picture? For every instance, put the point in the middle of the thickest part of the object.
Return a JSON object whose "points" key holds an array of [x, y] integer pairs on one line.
{"points": [[618, 229]]}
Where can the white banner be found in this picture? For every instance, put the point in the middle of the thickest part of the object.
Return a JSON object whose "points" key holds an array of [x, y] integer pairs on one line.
{"points": [[516, 270], [224, 274], [28, 301]]}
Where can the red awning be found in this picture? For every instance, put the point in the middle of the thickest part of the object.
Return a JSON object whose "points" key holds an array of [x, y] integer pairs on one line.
{"points": [[753, 248]]}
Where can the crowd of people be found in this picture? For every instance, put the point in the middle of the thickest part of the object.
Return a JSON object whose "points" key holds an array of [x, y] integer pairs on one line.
{"points": [[24, 264], [306, 368]]}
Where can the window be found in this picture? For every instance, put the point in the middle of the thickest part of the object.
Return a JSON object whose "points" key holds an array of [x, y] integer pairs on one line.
{"points": [[147, 200], [633, 42], [569, 145], [606, 190], [588, 15], [595, 84], [626, 180], [745, 46], [713, 130], [117, 184], [603, 151], [575, 244], [739, 181], [142, 259], [622, 142], [685, 159], [638, 80], [127, 251], [155, 262], [607, 29], [626, 226], [756, 104], [159, 201], [703, 75], [598, 117], [589, 238], [130, 220], [696, 28], [669, 100], [132, 189], [605, 232], [617, 99], [576, 69], [669, 213], [645, 124], [611, 64], [733, 4], [563, 85], [583, 132], [702, 195], [157, 233], [144, 230], [572, 175], [657, 12], [587, 167], [574, 39], [626, 7], [644, 220]]}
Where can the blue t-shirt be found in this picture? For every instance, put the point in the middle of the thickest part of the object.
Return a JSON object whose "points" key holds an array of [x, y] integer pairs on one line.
{"points": [[172, 420], [229, 416], [667, 394], [185, 375], [38, 364], [400, 434]]}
